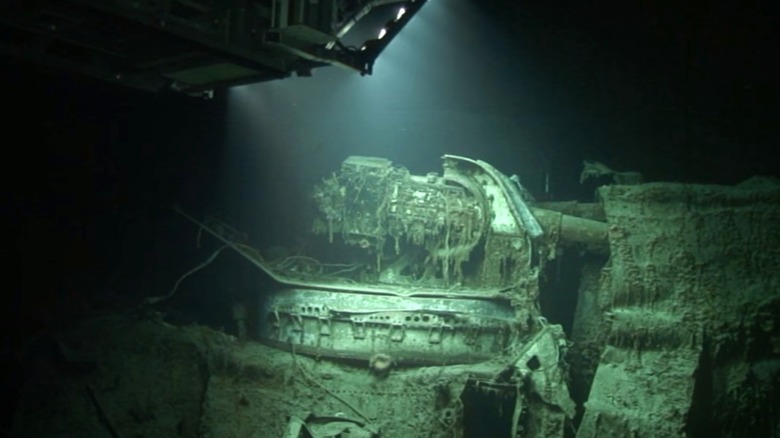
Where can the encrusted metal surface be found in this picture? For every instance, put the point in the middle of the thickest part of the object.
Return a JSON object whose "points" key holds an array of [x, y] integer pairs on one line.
{"points": [[411, 330]]}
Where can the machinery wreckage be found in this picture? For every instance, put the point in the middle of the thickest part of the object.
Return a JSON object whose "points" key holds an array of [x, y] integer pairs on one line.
{"points": [[449, 275], [420, 315]]}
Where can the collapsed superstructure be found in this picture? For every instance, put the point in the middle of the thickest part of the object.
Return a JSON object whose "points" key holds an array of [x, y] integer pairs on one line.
{"points": [[445, 270]]}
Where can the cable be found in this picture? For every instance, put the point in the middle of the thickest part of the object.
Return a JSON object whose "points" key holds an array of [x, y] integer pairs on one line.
{"points": [[155, 300]]}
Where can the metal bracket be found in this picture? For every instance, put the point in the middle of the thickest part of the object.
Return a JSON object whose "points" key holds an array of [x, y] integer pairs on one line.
{"points": [[397, 332], [297, 325], [471, 334], [324, 325], [276, 325], [358, 329], [435, 334]]}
